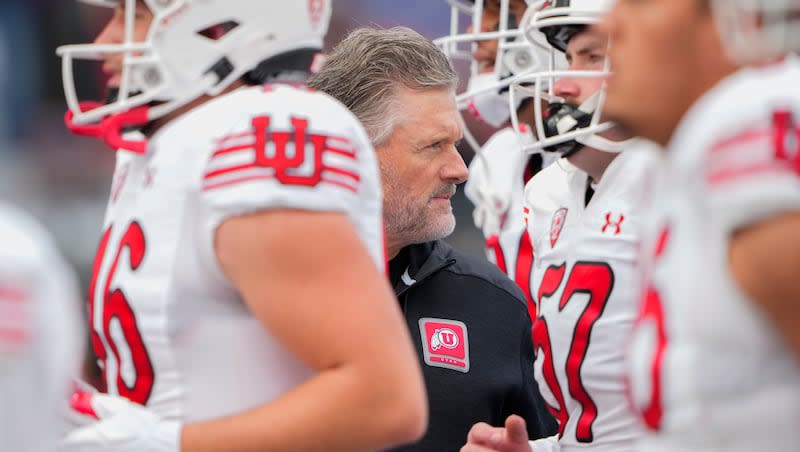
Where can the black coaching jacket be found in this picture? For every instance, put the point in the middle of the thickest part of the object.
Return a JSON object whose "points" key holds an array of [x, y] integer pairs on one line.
{"points": [[472, 333]]}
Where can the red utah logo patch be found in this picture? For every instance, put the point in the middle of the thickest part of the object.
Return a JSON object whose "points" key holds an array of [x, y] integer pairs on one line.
{"points": [[558, 222], [445, 343]]}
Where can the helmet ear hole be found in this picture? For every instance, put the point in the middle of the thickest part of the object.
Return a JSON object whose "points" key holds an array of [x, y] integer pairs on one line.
{"points": [[218, 31], [148, 77], [519, 61], [190, 48]]}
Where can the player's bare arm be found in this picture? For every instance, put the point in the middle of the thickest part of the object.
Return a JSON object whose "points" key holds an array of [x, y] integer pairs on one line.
{"points": [[342, 325], [187, 250], [765, 261]]}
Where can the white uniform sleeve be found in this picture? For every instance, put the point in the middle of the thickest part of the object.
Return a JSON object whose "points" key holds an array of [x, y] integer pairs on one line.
{"points": [[753, 175], [289, 148], [495, 175], [306, 152], [549, 444], [40, 347]]}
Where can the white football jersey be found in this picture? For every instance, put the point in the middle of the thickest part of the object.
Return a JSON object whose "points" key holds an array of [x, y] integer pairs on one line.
{"points": [[40, 345], [585, 286], [708, 370], [496, 187], [169, 329]]}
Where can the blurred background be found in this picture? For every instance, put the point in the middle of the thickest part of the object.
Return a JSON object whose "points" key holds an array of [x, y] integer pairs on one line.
{"points": [[64, 180]]}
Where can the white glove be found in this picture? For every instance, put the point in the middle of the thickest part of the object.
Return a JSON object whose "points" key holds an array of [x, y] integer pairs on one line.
{"points": [[119, 426], [490, 213], [490, 205]]}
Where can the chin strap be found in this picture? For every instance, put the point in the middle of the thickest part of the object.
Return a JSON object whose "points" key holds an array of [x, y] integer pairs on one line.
{"points": [[295, 65], [110, 128]]}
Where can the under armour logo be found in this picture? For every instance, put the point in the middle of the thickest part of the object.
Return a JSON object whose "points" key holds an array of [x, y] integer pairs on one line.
{"points": [[616, 225]]}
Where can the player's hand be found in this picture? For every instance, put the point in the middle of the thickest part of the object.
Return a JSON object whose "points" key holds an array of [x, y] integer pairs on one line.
{"points": [[71, 418], [119, 426], [513, 437], [488, 212]]}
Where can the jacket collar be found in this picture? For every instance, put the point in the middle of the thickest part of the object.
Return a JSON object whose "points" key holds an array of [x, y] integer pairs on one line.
{"points": [[424, 260]]}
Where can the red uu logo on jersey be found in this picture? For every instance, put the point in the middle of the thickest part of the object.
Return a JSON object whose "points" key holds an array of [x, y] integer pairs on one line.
{"points": [[445, 343], [280, 159], [292, 157], [555, 226]]}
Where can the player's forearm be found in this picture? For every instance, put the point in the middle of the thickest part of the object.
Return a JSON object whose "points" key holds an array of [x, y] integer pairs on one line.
{"points": [[343, 409], [765, 261]]}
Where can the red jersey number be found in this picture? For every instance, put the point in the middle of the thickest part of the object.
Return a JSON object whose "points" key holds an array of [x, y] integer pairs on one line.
{"points": [[652, 311], [595, 279], [116, 308], [522, 267]]}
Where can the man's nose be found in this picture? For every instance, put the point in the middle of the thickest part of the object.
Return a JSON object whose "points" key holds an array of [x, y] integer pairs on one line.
{"points": [[455, 170], [112, 33], [567, 89]]}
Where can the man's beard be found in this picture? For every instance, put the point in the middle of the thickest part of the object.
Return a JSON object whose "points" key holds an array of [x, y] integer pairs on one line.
{"points": [[414, 222]]}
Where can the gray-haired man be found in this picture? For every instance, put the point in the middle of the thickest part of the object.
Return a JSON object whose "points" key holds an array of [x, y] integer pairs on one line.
{"points": [[471, 323]]}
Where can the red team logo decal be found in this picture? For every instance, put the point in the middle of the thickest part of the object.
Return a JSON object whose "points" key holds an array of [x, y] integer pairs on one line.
{"points": [[282, 161], [444, 337], [316, 8], [445, 343], [558, 222], [787, 139], [292, 157]]}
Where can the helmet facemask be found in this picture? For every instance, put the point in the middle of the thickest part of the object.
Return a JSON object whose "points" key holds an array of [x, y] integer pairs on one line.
{"points": [[191, 48], [144, 77], [486, 96], [560, 126], [757, 30]]}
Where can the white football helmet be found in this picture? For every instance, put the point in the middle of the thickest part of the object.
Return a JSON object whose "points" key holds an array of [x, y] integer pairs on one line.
{"points": [[563, 127], [755, 30], [180, 60], [486, 96]]}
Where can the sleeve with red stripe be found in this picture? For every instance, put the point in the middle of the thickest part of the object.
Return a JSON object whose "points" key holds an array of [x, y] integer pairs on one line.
{"points": [[755, 173], [287, 164]]}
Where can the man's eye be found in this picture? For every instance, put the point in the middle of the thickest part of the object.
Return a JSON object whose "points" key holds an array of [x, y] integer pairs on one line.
{"points": [[597, 58]]}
